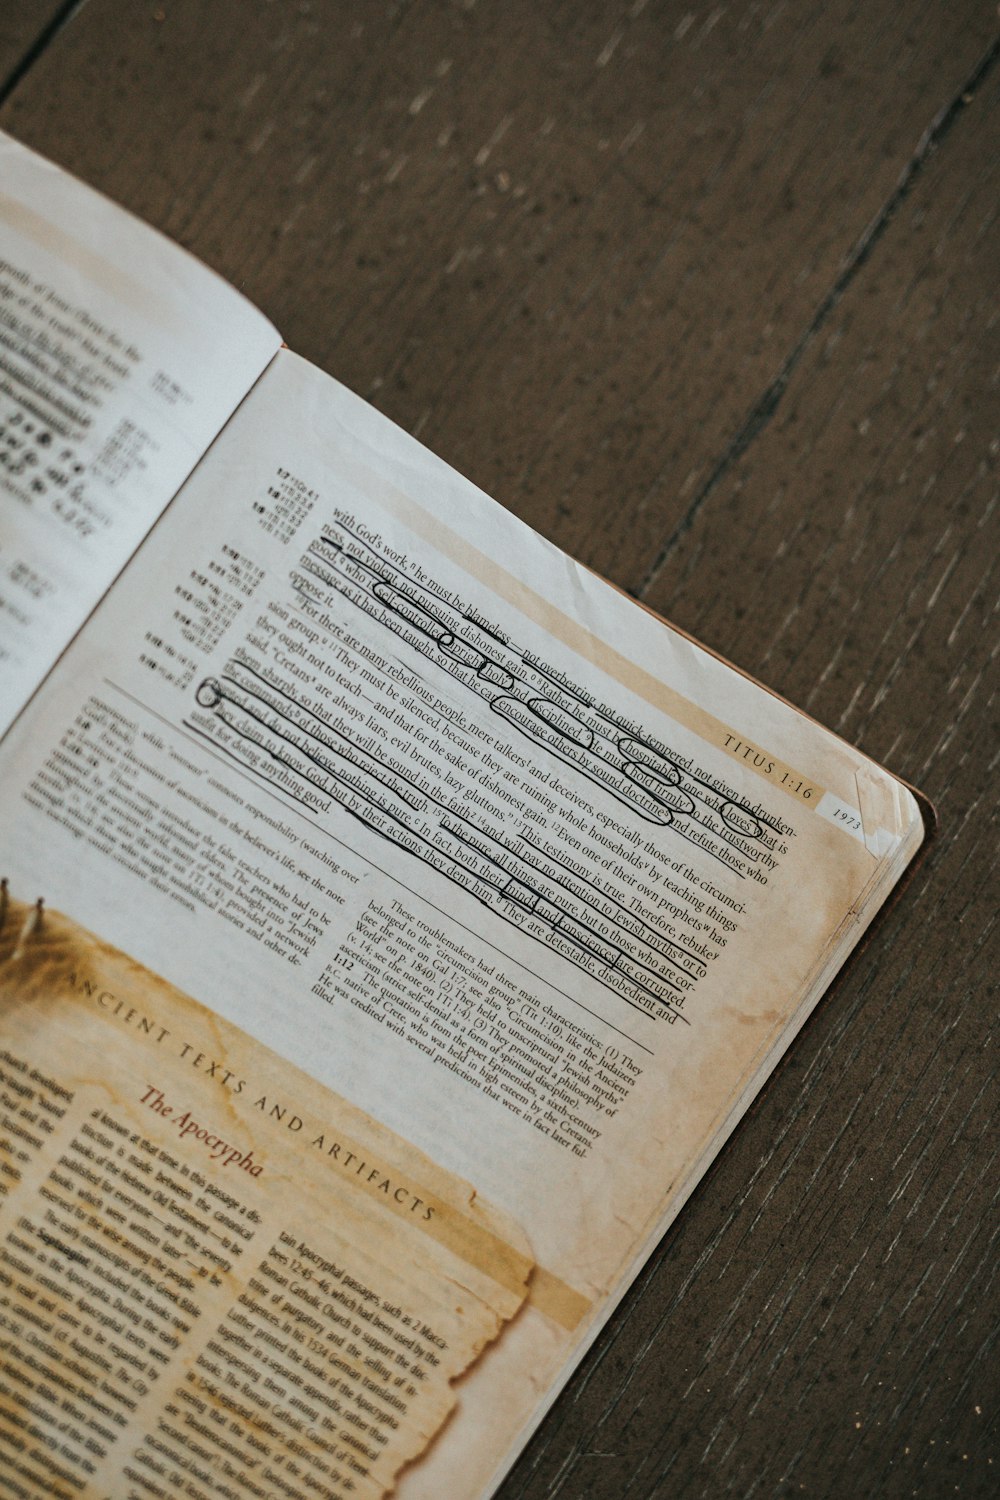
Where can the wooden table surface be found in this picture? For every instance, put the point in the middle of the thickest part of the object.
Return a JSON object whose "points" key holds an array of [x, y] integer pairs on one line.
{"points": [[705, 293]]}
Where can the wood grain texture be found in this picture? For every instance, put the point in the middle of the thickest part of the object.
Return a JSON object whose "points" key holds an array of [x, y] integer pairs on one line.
{"points": [[708, 296], [566, 244], [26, 29], [822, 1321]]}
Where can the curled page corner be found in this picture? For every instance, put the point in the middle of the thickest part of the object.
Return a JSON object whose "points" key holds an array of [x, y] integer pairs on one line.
{"points": [[886, 809], [880, 816]]}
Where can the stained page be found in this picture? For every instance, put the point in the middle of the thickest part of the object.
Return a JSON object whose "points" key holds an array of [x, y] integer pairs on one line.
{"points": [[212, 1270], [380, 776], [120, 358]]}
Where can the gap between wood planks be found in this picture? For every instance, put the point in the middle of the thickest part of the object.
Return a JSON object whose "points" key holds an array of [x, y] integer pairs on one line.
{"points": [[64, 14], [761, 412]]}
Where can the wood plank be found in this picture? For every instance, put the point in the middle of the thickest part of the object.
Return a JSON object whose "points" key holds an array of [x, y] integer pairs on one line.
{"points": [[25, 26], [823, 1319], [566, 244]]}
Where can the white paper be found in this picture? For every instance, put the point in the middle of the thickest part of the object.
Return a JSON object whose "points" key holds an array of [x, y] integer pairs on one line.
{"points": [[365, 766], [120, 358]]}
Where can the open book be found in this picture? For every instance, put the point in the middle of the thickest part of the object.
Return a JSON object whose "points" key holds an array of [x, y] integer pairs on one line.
{"points": [[420, 913]]}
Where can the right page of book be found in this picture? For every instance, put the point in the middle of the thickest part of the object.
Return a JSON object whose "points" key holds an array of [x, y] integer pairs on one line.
{"points": [[365, 766]]}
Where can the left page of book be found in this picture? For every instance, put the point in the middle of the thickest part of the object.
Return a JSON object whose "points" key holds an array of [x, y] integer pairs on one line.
{"points": [[121, 357]]}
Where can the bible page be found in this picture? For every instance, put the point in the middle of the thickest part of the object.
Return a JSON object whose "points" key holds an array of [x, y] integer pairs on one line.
{"points": [[364, 765], [120, 358], [217, 1277]]}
